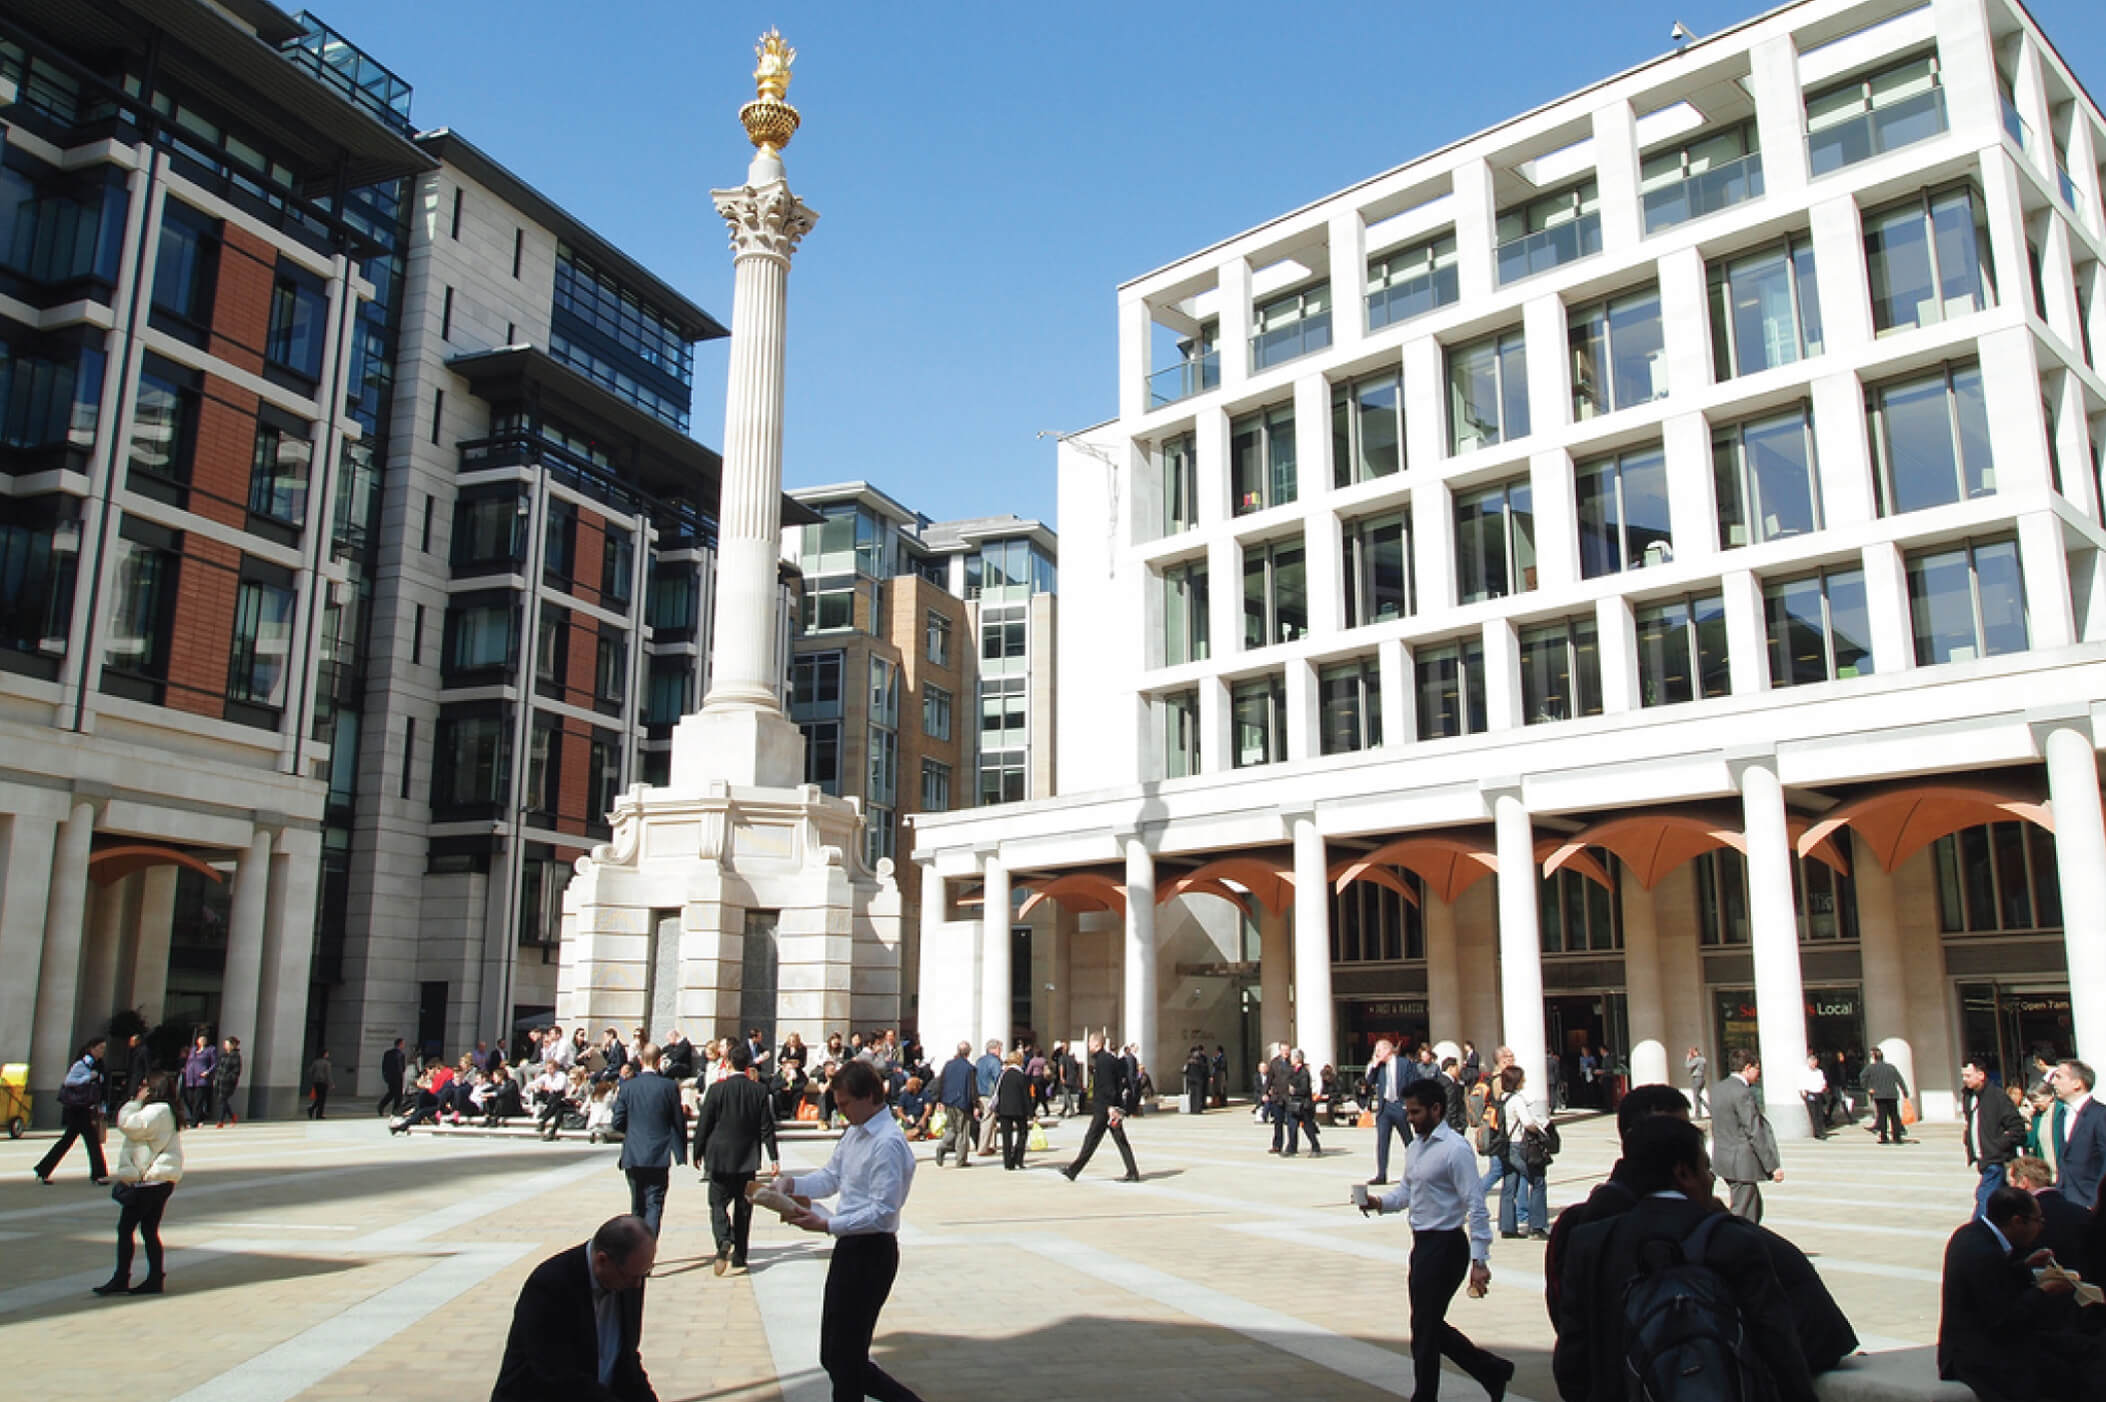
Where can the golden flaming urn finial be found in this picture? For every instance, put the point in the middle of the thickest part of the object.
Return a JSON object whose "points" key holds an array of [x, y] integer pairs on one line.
{"points": [[769, 119]]}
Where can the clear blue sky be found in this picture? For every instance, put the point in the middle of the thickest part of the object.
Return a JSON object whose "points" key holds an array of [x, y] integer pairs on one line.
{"points": [[987, 174]]}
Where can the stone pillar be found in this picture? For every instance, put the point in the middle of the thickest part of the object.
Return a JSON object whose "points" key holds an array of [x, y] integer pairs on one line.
{"points": [[1275, 977], [1683, 995], [25, 882], [1060, 972], [278, 1056], [157, 895], [1520, 942], [1138, 1004], [1643, 995], [240, 986], [2080, 858], [1444, 1009], [102, 953], [1773, 936], [1880, 962], [945, 1006], [52, 1039], [994, 1016], [1314, 1016]]}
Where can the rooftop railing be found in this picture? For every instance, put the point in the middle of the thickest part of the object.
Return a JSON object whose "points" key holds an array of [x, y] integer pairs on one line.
{"points": [[1548, 248], [1285, 343], [1877, 132], [1185, 379], [1706, 192]]}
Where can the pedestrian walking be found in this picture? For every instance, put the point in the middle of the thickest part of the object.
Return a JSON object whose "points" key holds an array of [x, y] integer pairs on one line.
{"points": [[1385, 1085], [870, 1175], [149, 1165], [1301, 1106], [199, 1066], [80, 1112], [1198, 1070], [1011, 1109], [226, 1079], [736, 1123], [958, 1092], [1743, 1146], [1884, 1084], [986, 1071], [1451, 1237], [393, 1063], [321, 1079], [653, 1125], [1993, 1131], [1699, 1070], [1108, 1094]]}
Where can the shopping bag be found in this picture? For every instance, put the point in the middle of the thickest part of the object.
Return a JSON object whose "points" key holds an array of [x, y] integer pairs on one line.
{"points": [[1908, 1111], [939, 1122], [1038, 1144], [1367, 1119], [808, 1110]]}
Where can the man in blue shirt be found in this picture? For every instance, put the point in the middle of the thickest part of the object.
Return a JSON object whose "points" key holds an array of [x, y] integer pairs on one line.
{"points": [[958, 1092], [987, 1070]]}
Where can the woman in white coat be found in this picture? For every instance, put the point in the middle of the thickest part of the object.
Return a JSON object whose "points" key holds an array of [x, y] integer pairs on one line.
{"points": [[149, 1165]]}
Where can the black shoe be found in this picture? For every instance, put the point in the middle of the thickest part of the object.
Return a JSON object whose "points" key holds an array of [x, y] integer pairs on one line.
{"points": [[1497, 1387], [1512, 1236], [1538, 1234], [1068, 1173], [102, 1182], [1291, 1154], [44, 1178], [149, 1286], [1378, 1182], [1131, 1178], [115, 1285]]}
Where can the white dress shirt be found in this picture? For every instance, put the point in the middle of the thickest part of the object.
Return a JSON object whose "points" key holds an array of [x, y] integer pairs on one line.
{"points": [[1440, 1187], [1813, 1082], [872, 1169]]}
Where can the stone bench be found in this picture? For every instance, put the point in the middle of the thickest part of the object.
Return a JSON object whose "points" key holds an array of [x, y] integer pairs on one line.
{"points": [[1903, 1375]]}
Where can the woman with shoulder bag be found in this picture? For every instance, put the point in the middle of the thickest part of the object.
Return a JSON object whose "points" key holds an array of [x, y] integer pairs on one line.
{"points": [[1012, 1109], [226, 1079], [1527, 1156], [1301, 1106], [148, 1167], [80, 1110]]}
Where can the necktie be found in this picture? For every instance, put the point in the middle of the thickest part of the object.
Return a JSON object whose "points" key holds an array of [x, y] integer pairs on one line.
{"points": [[2060, 1139], [1391, 1093]]}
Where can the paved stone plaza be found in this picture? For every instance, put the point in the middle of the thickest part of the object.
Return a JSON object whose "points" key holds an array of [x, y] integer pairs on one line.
{"points": [[329, 1260]]}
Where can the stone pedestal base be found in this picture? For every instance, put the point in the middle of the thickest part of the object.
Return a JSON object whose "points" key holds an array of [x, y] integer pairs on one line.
{"points": [[733, 745], [658, 924]]}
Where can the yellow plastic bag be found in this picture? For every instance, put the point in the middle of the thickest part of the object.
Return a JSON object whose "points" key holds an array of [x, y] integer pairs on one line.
{"points": [[1038, 1143]]}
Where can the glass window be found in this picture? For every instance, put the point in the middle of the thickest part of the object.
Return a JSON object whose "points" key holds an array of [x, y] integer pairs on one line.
{"points": [[603, 778], [1185, 621], [1765, 309], [1552, 229], [1560, 671], [1275, 594], [1378, 569], [184, 261], [1179, 460], [1487, 392], [262, 643], [142, 609], [489, 529], [936, 639], [1682, 651], [50, 401], [1927, 259], [1998, 878], [1293, 324], [1367, 430], [1818, 627], [278, 473], [164, 421], [1930, 440], [1258, 720], [37, 578], [544, 786], [1879, 112], [1619, 356], [671, 685], [1349, 706], [1576, 914], [471, 765], [560, 540], [485, 635], [1703, 175], [1624, 522], [1261, 460], [1824, 900], [1180, 713], [1003, 778], [1450, 685], [815, 685], [610, 671], [617, 568], [935, 786], [299, 320], [1495, 542], [1767, 485], [1411, 282], [935, 712], [1967, 601], [1005, 639], [59, 226], [552, 651], [822, 755]]}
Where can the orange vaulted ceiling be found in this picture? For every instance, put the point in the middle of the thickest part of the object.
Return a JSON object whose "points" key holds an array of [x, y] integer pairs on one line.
{"points": [[1449, 863], [112, 864], [1268, 884], [1081, 890], [1896, 823], [1652, 844]]}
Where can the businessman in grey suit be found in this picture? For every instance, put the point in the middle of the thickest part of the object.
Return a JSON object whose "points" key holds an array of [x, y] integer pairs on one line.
{"points": [[653, 1125], [736, 1123], [1743, 1147]]}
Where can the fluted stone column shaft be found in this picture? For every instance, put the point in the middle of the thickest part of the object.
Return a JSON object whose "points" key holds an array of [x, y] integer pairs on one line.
{"points": [[2080, 860], [1313, 1016], [1881, 962], [241, 986], [995, 1015], [58, 973], [1444, 1004], [1646, 1009], [25, 888], [1275, 978], [1773, 938], [1520, 943], [1139, 1003]]}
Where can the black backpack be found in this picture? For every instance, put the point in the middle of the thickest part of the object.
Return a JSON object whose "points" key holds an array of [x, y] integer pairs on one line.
{"points": [[1684, 1339]]}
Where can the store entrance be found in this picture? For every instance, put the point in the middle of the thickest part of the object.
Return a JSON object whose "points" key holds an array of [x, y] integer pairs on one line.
{"points": [[1573, 1024], [2007, 1027]]}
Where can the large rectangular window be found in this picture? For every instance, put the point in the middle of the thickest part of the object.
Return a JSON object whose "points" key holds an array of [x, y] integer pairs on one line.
{"points": [[1180, 715], [299, 321], [262, 642], [1487, 392], [560, 541], [164, 422], [1378, 570], [935, 712], [278, 473], [1179, 460], [37, 575], [935, 786], [1275, 593], [50, 398], [1450, 685], [1293, 324], [1998, 878], [822, 755], [936, 639], [1682, 651], [1624, 522], [1967, 601], [670, 598], [471, 765], [142, 606], [610, 671], [1823, 899], [1495, 542], [552, 652], [603, 779], [1767, 485], [671, 691], [1548, 231], [1927, 259], [1411, 282], [815, 685], [1930, 440], [1258, 720], [1185, 621], [1870, 115], [1576, 914], [1349, 706], [1367, 429], [1700, 176], [1560, 671], [489, 531], [482, 635], [184, 263], [617, 568], [1619, 354], [1765, 309], [1261, 460], [1819, 629]]}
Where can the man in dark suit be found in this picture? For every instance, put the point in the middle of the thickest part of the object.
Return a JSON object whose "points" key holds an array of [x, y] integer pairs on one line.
{"points": [[1882, 1081], [1457, 1113], [2065, 1226], [736, 1123], [1384, 1085], [1668, 1169], [1994, 1130], [2002, 1333], [2080, 1156], [1743, 1142], [1108, 1093], [579, 1320], [652, 1122], [1277, 1072], [392, 1064], [1130, 1059]]}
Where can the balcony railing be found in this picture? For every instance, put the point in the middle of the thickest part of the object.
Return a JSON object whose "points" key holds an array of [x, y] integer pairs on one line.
{"points": [[1185, 379], [1401, 301], [2071, 195], [1548, 248], [1706, 192], [2015, 125], [1877, 132], [1284, 343]]}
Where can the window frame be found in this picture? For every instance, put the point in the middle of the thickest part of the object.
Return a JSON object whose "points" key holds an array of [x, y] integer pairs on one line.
{"points": [[1267, 621], [1278, 481], [1648, 458], [1580, 694], [1915, 567], [1349, 691], [1360, 539], [1349, 418], [1956, 399], [1732, 467], [1921, 210], [1267, 691], [1825, 582], [1699, 666], [1591, 339], [1519, 578], [1470, 708], [1508, 351], [1794, 256]]}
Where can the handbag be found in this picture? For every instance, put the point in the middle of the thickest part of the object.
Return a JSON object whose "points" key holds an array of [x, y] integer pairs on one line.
{"points": [[122, 1192]]}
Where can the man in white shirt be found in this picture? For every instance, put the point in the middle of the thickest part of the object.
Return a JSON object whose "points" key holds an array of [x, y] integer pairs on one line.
{"points": [[872, 1170], [1385, 1087], [1813, 1089], [1440, 1190]]}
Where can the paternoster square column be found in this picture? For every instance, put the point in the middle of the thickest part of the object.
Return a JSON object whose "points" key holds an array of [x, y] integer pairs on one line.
{"points": [[740, 736]]}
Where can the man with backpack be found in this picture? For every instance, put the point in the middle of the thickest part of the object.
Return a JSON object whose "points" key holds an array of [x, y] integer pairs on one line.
{"points": [[1674, 1300]]}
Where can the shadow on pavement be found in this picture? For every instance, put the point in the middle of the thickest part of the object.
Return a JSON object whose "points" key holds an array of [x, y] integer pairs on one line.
{"points": [[190, 1272]]}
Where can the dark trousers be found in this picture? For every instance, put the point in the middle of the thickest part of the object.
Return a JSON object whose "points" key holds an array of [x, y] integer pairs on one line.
{"points": [[1439, 1262], [390, 1097], [1014, 1137], [1099, 1123], [79, 1121], [1887, 1113], [1276, 1111], [1389, 1115], [142, 1213], [857, 1284], [197, 1103], [320, 1101], [1301, 1119], [1993, 1177], [647, 1194], [223, 1105], [730, 1215], [1817, 1113], [1744, 1200]]}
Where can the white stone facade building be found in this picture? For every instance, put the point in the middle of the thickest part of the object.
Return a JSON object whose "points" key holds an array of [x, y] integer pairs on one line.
{"points": [[1679, 503]]}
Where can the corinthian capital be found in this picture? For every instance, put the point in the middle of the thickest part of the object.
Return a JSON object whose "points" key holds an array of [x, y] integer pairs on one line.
{"points": [[766, 220]]}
